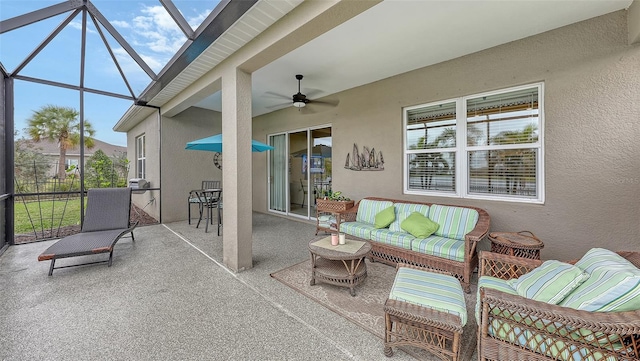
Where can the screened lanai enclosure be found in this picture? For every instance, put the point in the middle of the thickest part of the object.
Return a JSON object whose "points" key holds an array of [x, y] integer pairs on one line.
{"points": [[70, 70]]}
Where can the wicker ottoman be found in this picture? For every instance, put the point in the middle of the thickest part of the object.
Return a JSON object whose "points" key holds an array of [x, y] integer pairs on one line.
{"points": [[425, 309]]}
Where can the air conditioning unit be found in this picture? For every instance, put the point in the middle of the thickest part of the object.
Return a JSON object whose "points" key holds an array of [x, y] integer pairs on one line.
{"points": [[138, 185]]}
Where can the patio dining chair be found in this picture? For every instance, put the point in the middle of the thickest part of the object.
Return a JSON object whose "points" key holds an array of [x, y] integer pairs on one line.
{"points": [[210, 199], [195, 199]]}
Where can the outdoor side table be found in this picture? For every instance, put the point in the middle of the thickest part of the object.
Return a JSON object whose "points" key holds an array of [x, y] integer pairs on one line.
{"points": [[341, 265], [332, 208], [520, 244]]}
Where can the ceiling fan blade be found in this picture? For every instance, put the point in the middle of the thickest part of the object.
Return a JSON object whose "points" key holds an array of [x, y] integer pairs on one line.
{"points": [[328, 102], [278, 105], [276, 95], [312, 93], [307, 110]]}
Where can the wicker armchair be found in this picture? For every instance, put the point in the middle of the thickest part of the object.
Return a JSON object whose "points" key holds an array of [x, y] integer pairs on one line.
{"points": [[550, 332]]}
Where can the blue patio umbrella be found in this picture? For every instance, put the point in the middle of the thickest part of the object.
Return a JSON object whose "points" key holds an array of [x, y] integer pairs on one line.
{"points": [[214, 144]]}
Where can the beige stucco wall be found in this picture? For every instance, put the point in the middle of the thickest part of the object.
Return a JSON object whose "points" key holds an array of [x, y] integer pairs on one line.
{"points": [[592, 125], [184, 170], [149, 200]]}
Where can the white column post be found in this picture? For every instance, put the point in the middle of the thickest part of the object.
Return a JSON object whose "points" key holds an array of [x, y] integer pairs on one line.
{"points": [[236, 170]]}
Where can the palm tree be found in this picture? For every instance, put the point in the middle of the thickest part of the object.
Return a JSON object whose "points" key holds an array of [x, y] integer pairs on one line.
{"points": [[430, 164], [61, 125], [514, 164]]}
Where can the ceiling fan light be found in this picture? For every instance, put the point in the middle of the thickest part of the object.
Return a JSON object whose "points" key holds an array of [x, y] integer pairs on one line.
{"points": [[299, 104]]}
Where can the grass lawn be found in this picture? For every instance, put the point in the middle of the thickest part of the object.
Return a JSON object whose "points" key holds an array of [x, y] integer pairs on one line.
{"points": [[46, 214]]}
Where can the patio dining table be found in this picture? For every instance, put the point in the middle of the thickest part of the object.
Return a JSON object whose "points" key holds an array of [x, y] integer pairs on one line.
{"points": [[209, 198]]}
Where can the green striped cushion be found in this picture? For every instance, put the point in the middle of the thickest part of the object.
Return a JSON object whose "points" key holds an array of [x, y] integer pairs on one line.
{"points": [[432, 290], [551, 282], [395, 225], [607, 291], [455, 222], [443, 247], [367, 210], [403, 210], [505, 331], [383, 235], [597, 258], [358, 229], [559, 350], [493, 283]]}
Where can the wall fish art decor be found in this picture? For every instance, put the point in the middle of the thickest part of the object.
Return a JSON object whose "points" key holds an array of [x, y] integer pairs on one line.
{"points": [[367, 160]]}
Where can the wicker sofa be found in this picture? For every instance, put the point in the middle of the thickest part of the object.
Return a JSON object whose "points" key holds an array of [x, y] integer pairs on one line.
{"points": [[513, 327], [452, 248]]}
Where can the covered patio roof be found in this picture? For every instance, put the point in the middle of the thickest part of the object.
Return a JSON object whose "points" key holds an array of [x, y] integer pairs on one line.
{"points": [[356, 50]]}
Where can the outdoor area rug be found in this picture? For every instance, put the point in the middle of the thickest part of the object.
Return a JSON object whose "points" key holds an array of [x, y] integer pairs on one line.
{"points": [[365, 310]]}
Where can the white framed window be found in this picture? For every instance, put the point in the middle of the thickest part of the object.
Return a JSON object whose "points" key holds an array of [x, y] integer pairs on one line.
{"points": [[140, 157], [71, 163], [484, 146]]}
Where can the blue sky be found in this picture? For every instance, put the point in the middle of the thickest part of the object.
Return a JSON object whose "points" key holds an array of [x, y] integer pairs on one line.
{"points": [[144, 24]]}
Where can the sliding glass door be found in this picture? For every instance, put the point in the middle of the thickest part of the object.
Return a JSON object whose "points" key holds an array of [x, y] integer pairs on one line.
{"points": [[278, 173], [299, 170]]}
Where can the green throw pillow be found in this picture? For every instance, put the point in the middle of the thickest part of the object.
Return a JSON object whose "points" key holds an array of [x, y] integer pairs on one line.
{"points": [[385, 217], [550, 283], [419, 226]]}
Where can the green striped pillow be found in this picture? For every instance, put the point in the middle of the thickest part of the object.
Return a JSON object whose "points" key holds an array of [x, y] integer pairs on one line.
{"points": [[404, 210], [432, 290], [400, 217], [607, 291], [597, 258], [550, 283], [455, 222]]}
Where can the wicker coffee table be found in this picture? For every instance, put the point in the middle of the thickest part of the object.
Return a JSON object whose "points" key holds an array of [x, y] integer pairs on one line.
{"points": [[339, 265]]}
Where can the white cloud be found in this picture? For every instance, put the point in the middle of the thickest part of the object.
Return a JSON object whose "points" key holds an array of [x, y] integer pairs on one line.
{"points": [[156, 30], [198, 19], [120, 24], [78, 25], [154, 35], [135, 75]]}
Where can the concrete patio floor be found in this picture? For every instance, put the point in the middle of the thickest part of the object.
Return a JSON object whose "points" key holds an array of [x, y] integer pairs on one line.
{"points": [[168, 296]]}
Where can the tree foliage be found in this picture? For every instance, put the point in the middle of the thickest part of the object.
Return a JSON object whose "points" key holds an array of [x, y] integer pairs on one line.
{"points": [[30, 165], [60, 125], [103, 171]]}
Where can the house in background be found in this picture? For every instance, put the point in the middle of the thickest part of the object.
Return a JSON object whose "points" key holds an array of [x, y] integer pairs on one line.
{"points": [[52, 153], [441, 74]]}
